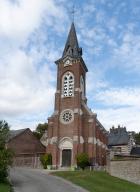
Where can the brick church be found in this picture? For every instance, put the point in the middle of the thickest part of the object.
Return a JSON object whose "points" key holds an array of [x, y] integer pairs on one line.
{"points": [[73, 128]]}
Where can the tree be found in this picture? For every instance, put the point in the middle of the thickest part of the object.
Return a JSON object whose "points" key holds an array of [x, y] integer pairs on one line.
{"points": [[4, 133], [137, 138], [46, 160], [5, 154], [82, 160], [40, 130]]}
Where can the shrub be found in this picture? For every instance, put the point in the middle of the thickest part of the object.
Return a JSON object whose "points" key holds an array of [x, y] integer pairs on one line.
{"points": [[46, 160], [82, 160], [5, 154], [5, 160]]}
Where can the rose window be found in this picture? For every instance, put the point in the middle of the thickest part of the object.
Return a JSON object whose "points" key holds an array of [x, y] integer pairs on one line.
{"points": [[66, 116]]}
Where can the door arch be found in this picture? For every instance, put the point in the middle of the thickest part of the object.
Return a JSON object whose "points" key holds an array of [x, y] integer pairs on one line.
{"points": [[66, 152]]}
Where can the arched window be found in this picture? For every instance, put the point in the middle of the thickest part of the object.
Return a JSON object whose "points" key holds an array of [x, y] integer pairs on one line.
{"points": [[82, 86], [68, 84]]}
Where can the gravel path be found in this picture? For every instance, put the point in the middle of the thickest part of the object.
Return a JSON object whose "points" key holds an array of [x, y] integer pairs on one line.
{"points": [[37, 180]]}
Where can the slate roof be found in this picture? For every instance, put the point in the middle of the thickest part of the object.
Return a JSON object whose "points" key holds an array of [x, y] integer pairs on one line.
{"points": [[71, 46], [14, 133], [118, 136], [135, 151]]}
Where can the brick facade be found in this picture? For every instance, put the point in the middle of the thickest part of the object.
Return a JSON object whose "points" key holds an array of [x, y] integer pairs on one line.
{"points": [[84, 133]]}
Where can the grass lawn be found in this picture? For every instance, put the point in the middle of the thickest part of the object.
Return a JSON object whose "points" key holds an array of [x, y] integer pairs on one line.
{"points": [[4, 187], [98, 181]]}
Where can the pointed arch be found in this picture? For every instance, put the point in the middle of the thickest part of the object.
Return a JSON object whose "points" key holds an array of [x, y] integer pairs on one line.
{"points": [[68, 84], [82, 86]]}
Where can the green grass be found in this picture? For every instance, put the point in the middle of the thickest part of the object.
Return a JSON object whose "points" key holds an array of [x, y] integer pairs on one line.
{"points": [[4, 187], [96, 181]]}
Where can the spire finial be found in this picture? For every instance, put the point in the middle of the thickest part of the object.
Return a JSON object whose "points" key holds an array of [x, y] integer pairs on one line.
{"points": [[73, 13]]}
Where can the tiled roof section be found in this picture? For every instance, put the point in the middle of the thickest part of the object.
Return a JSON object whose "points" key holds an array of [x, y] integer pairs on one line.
{"points": [[135, 151], [72, 47], [14, 133], [118, 136]]}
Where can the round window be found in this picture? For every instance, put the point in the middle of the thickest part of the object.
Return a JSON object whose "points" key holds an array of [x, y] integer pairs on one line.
{"points": [[66, 116]]}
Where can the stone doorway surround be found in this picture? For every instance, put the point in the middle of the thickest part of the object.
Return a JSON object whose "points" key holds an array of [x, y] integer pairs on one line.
{"points": [[65, 143]]}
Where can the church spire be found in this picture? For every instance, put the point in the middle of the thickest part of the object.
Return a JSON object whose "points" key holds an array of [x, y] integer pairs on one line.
{"points": [[71, 46]]}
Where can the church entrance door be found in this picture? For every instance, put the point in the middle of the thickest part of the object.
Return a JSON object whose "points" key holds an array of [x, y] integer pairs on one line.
{"points": [[66, 157]]}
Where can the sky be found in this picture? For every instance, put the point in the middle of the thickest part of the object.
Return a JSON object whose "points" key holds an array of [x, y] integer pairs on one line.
{"points": [[32, 37]]}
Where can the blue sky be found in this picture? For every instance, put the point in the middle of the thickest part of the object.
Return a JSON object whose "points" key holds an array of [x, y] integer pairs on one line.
{"points": [[32, 36]]}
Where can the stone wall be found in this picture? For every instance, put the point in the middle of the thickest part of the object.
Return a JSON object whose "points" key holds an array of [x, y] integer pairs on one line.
{"points": [[125, 169]]}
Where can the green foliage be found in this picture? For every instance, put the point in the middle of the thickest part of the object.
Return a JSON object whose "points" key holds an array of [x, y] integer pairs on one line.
{"points": [[4, 132], [5, 154], [82, 160], [46, 160], [98, 181], [5, 187], [137, 138], [40, 130]]}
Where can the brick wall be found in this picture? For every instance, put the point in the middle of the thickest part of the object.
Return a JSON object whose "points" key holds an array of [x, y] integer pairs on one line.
{"points": [[127, 169]]}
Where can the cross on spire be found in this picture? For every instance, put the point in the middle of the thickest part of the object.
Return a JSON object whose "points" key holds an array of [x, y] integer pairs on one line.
{"points": [[73, 13]]}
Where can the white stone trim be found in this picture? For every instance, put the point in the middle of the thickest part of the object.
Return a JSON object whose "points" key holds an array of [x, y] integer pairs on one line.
{"points": [[95, 140], [53, 140], [79, 111], [81, 140], [91, 120], [98, 142], [75, 138], [65, 143], [76, 110], [44, 142], [57, 91], [92, 140], [78, 89]]}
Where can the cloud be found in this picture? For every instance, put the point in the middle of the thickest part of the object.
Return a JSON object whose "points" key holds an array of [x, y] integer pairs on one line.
{"points": [[127, 54], [32, 38], [27, 81], [19, 19], [121, 106], [128, 117], [95, 81], [125, 96], [24, 88]]}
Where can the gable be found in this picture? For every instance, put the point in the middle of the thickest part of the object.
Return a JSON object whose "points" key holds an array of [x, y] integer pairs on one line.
{"points": [[25, 143]]}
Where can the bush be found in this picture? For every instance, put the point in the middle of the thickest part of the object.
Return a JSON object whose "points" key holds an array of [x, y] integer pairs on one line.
{"points": [[5, 160], [82, 160], [5, 154], [46, 160]]}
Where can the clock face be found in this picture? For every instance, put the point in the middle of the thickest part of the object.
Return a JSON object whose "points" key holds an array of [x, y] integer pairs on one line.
{"points": [[67, 62], [66, 116]]}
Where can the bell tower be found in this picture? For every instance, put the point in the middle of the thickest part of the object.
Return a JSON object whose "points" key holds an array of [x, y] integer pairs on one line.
{"points": [[72, 126]]}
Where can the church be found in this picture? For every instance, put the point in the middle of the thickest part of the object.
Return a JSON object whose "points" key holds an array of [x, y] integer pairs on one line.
{"points": [[73, 128]]}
